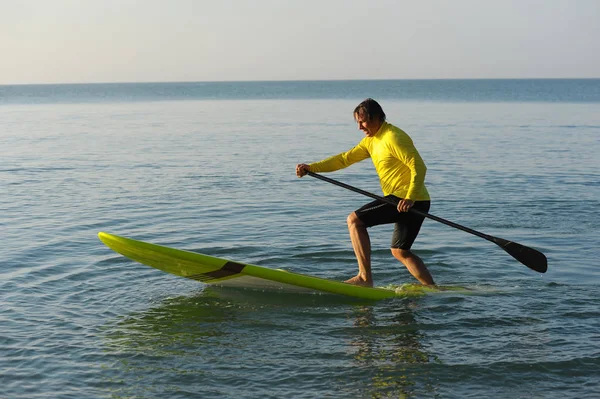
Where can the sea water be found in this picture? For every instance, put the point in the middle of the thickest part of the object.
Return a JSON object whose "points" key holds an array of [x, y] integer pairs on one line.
{"points": [[209, 167]]}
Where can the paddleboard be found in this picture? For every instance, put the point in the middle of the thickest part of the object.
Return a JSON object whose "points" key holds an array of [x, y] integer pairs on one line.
{"points": [[222, 272]]}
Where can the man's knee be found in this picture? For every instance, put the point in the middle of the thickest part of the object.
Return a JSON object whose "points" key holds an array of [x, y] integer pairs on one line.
{"points": [[353, 220], [401, 253]]}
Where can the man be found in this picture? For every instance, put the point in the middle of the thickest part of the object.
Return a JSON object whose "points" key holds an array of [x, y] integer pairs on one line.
{"points": [[402, 176]]}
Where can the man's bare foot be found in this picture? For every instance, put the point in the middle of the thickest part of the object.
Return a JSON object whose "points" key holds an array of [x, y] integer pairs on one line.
{"points": [[358, 280]]}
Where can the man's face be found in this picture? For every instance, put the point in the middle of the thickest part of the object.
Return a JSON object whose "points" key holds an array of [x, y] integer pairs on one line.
{"points": [[369, 127]]}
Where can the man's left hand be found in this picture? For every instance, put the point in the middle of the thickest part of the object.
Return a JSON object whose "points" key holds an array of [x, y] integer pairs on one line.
{"points": [[405, 205]]}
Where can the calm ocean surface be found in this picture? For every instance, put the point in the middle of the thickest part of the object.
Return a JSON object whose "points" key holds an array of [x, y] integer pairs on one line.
{"points": [[209, 167]]}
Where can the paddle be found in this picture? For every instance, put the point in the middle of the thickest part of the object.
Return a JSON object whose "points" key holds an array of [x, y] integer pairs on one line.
{"points": [[531, 258]]}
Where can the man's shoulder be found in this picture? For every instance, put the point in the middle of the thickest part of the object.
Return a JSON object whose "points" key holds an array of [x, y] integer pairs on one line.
{"points": [[393, 128], [395, 131]]}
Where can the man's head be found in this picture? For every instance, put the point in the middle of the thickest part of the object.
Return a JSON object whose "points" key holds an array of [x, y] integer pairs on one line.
{"points": [[370, 116]]}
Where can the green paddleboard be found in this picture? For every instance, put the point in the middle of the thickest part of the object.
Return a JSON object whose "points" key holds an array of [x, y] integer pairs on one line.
{"points": [[222, 272]]}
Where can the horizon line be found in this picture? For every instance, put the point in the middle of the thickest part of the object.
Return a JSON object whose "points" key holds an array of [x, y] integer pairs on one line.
{"points": [[283, 81]]}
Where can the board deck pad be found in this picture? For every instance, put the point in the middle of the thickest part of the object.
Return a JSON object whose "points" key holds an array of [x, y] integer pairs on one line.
{"points": [[222, 272]]}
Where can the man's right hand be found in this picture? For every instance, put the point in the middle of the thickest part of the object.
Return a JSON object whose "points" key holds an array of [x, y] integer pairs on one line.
{"points": [[302, 169]]}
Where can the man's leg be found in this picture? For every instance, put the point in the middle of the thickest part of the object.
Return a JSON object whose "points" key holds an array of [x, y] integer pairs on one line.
{"points": [[414, 264], [362, 249]]}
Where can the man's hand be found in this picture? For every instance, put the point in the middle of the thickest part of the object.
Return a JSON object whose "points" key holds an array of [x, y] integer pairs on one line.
{"points": [[405, 205], [302, 169]]}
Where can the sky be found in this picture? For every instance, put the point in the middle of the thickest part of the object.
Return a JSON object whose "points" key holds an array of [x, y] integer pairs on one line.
{"points": [[91, 41]]}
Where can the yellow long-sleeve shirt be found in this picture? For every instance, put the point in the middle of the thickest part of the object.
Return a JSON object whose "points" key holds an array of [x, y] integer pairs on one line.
{"points": [[400, 168]]}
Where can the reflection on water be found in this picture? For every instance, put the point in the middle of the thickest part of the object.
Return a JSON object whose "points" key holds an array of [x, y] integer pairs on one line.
{"points": [[231, 343], [150, 350], [222, 341], [389, 346], [244, 343], [178, 321]]}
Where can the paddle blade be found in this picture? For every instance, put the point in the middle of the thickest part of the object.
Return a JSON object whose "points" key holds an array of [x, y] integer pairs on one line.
{"points": [[531, 258]]}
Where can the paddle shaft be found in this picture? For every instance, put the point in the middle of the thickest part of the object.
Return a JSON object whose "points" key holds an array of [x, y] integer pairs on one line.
{"points": [[394, 203]]}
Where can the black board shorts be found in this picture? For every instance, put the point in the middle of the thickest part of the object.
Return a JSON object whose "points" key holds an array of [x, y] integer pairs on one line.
{"points": [[407, 224]]}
